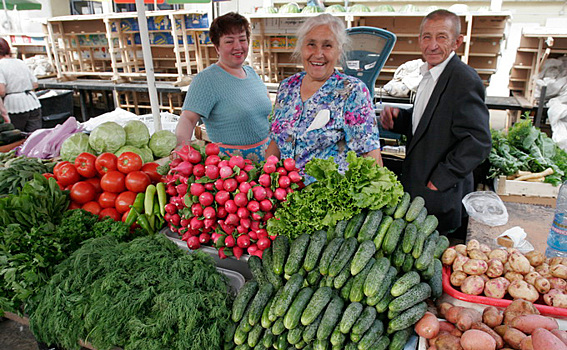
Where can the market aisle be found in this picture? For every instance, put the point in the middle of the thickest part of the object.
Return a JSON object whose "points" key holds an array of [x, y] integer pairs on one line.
{"points": [[14, 336]]}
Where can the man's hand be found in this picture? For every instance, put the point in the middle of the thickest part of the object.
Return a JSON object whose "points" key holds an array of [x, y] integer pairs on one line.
{"points": [[431, 186], [387, 117]]}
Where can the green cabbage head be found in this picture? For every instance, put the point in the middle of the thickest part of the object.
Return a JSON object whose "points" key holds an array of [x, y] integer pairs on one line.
{"points": [[137, 133], [162, 143], [290, 7], [75, 145], [139, 151], [107, 137]]}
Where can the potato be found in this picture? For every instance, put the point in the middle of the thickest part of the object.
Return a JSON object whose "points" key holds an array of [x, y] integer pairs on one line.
{"points": [[460, 260], [496, 288], [512, 250], [501, 330], [449, 256], [513, 276], [495, 268], [526, 343], [542, 285], [461, 249], [492, 317], [559, 271], [535, 258], [519, 263], [443, 308], [529, 323], [543, 339], [562, 335], [557, 283], [445, 326], [507, 267], [484, 277], [473, 244], [466, 318], [519, 307], [549, 296], [532, 269], [485, 249], [560, 300], [483, 327], [457, 278], [448, 341], [564, 261], [475, 267], [499, 254], [473, 285], [474, 339], [477, 254], [428, 326], [514, 337], [452, 314], [544, 270], [531, 277], [523, 290], [555, 261]]}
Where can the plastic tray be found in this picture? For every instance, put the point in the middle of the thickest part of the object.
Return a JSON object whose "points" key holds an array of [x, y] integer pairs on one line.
{"points": [[501, 303]]}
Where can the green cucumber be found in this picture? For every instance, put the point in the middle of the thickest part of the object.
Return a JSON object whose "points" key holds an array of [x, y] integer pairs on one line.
{"points": [[350, 316], [362, 256], [403, 206], [318, 302], [354, 225], [376, 277], [296, 254], [281, 342], [329, 254], [420, 218], [340, 229], [278, 327], [265, 320], [441, 246], [255, 335], [415, 295], [357, 290], [371, 336], [267, 264], [313, 277], [400, 338], [310, 331], [290, 290], [407, 318], [382, 230], [343, 276], [242, 300], [316, 245], [259, 303], [436, 281], [320, 344], [365, 321], [405, 283], [382, 305], [293, 315], [410, 233], [272, 313], [343, 256], [393, 314], [330, 233], [390, 209], [330, 318], [268, 338], [351, 346], [355, 338], [257, 270], [329, 281], [426, 256], [398, 257], [370, 226], [280, 251], [240, 336], [408, 263], [337, 338], [429, 224], [393, 236], [387, 284], [229, 332], [294, 335], [382, 343], [345, 290], [429, 271], [415, 207]]}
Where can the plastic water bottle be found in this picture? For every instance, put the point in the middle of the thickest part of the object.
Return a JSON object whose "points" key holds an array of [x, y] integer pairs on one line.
{"points": [[557, 239]]}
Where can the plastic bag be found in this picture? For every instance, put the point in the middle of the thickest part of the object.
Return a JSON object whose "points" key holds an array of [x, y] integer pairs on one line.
{"points": [[486, 207]]}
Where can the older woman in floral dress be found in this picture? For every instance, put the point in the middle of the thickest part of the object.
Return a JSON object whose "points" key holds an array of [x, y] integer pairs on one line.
{"points": [[322, 113]]}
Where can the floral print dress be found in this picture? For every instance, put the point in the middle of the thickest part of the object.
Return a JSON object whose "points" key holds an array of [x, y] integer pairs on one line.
{"points": [[350, 125]]}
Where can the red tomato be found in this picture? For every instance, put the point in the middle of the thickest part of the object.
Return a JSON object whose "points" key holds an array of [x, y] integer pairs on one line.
{"points": [[113, 181], [92, 207], [107, 199], [137, 181], [58, 166], [85, 164], [95, 181], [105, 162], [151, 170], [83, 192], [125, 215], [67, 175], [74, 205], [48, 175], [128, 162], [113, 213], [124, 201]]}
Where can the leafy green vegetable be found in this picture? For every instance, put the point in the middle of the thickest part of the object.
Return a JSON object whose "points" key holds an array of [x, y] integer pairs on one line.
{"points": [[162, 143], [137, 133], [16, 172], [107, 137], [334, 196], [75, 145]]}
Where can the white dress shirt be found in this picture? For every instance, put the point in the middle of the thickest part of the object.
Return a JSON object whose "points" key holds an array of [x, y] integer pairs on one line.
{"points": [[425, 89]]}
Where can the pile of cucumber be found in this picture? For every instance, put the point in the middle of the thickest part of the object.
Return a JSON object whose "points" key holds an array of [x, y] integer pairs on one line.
{"points": [[360, 285]]}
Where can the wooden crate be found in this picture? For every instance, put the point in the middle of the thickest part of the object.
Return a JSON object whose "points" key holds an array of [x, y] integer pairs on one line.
{"points": [[526, 192]]}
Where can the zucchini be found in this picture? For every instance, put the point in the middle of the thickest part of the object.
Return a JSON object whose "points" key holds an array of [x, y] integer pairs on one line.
{"points": [[408, 263], [382, 305], [410, 233], [357, 290], [365, 321], [429, 224], [405, 283], [316, 245], [400, 338], [415, 207], [354, 225], [407, 318], [255, 335], [340, 229], [415, 295], [370, 226], [242, 300], [278, 327], [267, 264], [345, 290], [376, 277], [343, 256], [382, 343], [313, 277], [330, 317], [436, 281], [257, 270], [362, 256], [293, 315], [318, 302], [426, 256], [310, 331], [290, 290], [382, 230], [350, 316], [268, 338], [403, 206], [441, 246], [343, 276], [294, 335], [259, 304], [393, 236], [371, 336], [265, 320], [279, 254], [337, 337], [420, 217], [296, 254], [329, 254], [398, 257]]}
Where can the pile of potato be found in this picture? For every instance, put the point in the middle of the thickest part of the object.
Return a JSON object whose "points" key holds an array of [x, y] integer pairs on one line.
{"points": [[520, 327], [477, 270]]}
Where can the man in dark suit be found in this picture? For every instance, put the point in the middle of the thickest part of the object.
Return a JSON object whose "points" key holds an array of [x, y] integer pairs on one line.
{"points": [[448, 127]]}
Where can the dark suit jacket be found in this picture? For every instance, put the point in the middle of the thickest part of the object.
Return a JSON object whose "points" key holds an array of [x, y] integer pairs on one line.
{"points": [[451, 140]]}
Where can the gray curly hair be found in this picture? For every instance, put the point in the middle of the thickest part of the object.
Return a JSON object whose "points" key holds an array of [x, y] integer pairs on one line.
{"points": [[336, 26]]}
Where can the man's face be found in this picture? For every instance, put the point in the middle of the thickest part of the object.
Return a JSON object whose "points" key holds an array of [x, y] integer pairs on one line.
{"points": [[437, 40]]}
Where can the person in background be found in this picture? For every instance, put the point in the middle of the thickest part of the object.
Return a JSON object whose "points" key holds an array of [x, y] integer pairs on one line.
{"points": [[321, 112], [229, 97], [4, 112], [447, 128], [16, 89]]}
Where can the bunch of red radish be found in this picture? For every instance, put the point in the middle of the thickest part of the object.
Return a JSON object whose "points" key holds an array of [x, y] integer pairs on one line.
{"points": [[226, 202]]}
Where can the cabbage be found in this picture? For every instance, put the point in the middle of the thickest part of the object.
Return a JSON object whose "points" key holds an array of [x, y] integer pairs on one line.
{"points": [[311, 9], [107, 137], [408, 8], [162, 143], [384, 8], [137, 133], [269, 9], [359, 8], [147, 154], [75, 145], [139, 151], [290, 7], [335, 8]]}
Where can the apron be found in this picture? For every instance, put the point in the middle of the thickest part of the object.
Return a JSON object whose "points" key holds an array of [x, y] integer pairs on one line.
{"points": [[255, 152]]}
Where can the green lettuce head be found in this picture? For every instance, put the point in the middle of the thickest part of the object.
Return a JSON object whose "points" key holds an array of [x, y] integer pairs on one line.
{"points": [[137, 133], [162, 143], [107, 137], [75, 145]]}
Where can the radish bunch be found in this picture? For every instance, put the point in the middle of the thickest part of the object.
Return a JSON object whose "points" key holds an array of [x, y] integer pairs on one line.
{"points": [[226, 202]]}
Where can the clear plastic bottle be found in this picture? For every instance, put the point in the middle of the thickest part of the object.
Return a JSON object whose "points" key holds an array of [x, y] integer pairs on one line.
{"points": [[557, 238]]}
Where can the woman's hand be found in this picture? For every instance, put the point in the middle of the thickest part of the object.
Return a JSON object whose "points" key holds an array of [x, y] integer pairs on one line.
{"points": [[185, 126], [273, 150], [376, 155], [387, 117]]}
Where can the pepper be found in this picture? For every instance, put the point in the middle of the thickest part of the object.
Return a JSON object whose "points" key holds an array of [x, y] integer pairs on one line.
{"points": [[149, 200], [142, 220], [162, 197], [135, 209]]}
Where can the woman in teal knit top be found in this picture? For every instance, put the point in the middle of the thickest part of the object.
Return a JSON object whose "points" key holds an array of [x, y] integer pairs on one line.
{"points": [[230, 98]]}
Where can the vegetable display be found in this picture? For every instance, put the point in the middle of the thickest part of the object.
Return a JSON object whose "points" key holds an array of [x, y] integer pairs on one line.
{"points": [[15, 171], [348, 287]]}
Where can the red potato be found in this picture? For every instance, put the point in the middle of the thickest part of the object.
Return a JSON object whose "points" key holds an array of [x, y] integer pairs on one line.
{"points": [[545, 340], [431, 342], [453, 313], [492, 317], [473, 339], [428, 326], [459, 261], [527, 344], [466, 318], [457, 278], [447, 341], [514, 337], [529, 323], [562, 335], [491, 332], [519, 307], [443, 307], [445, 326]]}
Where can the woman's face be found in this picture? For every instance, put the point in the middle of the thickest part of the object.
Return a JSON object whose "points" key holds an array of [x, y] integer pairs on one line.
{"points": [[320, 53], [233, 49]]}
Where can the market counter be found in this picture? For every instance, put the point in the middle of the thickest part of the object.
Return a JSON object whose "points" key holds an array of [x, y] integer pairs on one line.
{"points": [[534, 219]]}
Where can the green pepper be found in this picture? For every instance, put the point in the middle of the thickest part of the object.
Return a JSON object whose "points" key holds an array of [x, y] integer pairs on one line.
{"points": [[149, 200], [162, 197], [135, 209], [142, 220]]}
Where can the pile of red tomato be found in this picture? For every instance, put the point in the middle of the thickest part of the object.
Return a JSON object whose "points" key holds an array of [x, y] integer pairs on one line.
{"points": [[105, 185]]}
